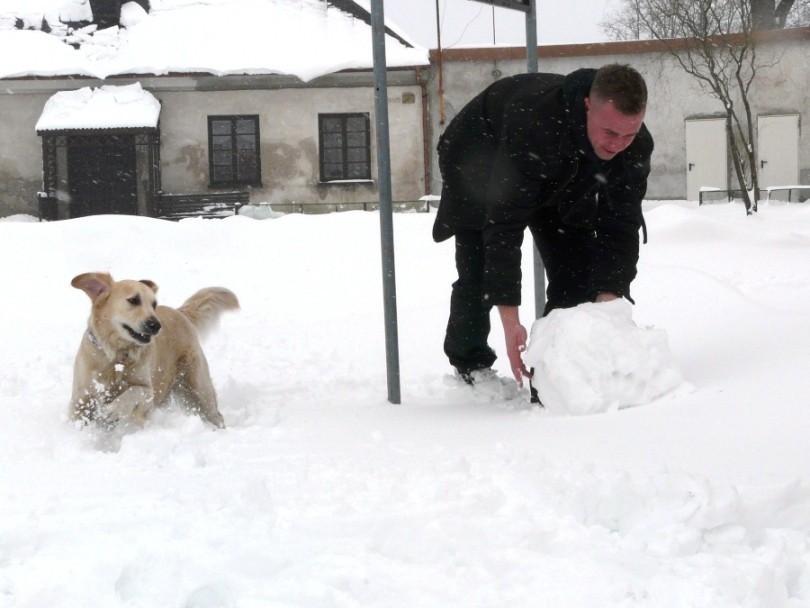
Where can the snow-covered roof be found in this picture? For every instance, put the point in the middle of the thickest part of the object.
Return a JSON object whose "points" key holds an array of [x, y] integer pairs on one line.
{"points": [[103, 108], [303, 38]]}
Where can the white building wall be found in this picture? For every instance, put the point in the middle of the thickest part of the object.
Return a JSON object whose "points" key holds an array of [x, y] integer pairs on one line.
{"points": [[288, 128], [674, 96], [20, 151], [288, 123]]}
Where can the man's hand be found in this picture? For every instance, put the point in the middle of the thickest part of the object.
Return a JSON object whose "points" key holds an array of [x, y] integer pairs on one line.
{"points": [[516, 336]]}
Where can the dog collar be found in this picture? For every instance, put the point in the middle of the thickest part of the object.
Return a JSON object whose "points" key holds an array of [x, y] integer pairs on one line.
{"points": [[91, 337], [121, 359]]}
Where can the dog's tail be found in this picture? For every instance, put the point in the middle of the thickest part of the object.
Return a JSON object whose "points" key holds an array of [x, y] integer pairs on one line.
{"points": [[204, 308]]}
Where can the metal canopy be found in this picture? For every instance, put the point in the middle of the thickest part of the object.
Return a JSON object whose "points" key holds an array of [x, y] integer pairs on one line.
{"points": [[384, 177], [127, 108], [520, 5]]}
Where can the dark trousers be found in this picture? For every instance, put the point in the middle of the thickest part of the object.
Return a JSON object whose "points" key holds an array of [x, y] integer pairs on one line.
{"points": [[465, 342], [563, 251]]}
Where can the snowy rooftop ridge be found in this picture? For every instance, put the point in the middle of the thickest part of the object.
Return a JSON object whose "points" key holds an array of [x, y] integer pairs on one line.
{"points": [[303, 38]]}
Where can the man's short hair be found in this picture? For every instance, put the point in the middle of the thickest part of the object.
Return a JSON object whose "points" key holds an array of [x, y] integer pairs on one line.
{"points": [[621, 85]]}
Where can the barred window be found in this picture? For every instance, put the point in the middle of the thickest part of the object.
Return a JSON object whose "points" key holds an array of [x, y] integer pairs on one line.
{"points": [[233, 150], [345, 147]]}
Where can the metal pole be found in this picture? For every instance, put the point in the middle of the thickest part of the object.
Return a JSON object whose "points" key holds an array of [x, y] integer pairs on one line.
{"points": [[531, 61], [386, 215], [531, 36]]}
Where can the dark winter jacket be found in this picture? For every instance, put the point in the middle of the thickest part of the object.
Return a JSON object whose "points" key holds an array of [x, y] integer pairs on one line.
{"points": [[520, 147]]}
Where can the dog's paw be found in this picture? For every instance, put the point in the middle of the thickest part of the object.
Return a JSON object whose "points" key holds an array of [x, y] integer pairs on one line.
{"points": [[107, 419], [112, 415]]}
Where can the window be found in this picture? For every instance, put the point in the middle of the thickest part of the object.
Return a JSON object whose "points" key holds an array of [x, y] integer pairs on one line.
{"points": [[233, 150], [345, 148]]}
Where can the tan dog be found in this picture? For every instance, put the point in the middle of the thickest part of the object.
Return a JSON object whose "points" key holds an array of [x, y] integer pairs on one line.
{"points": [[135, 354]]}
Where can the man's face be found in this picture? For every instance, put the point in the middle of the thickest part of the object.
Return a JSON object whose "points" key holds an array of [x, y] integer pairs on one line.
{"points": [[610, 131]]}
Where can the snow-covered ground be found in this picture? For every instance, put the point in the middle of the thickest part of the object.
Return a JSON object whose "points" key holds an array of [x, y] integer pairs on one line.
{"points": [[321, 493]]}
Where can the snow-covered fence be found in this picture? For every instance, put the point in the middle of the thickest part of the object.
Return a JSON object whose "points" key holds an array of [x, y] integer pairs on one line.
{"points": [[789, 194], [795, 194], [209, 205], [420, 206]]}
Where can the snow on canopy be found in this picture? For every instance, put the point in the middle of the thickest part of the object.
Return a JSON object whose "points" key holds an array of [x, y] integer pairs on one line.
{"points": [[102, 108], [303, 38]]}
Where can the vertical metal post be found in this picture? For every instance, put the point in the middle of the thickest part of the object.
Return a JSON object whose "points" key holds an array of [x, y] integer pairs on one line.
{"points": [[531, 36], [386, 214], [531, 61]]}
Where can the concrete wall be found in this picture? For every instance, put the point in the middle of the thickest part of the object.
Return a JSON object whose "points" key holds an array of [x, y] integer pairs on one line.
{"points": [[674, 96], [20, 151], [288, 123], [288, 112]]}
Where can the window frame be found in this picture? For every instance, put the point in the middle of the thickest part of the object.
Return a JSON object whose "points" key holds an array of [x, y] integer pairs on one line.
{"points": [[235, 182], [322, 148]]}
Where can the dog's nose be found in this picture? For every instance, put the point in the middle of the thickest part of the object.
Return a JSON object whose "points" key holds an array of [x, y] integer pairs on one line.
{"points": [[152, 326]]}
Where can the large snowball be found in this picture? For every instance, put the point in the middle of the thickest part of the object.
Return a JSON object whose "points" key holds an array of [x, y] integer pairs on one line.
{"points": [[593, 358]]}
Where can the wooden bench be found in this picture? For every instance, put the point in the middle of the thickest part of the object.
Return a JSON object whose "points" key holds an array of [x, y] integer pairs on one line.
{"points": [[208, 205]]}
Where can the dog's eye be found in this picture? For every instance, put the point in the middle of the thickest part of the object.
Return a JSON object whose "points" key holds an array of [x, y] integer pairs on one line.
{"points": [[154, 305], [134, 300]]}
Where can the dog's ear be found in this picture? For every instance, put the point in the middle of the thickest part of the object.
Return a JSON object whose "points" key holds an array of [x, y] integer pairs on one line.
{"points": [[150, 284], [93, 283]]}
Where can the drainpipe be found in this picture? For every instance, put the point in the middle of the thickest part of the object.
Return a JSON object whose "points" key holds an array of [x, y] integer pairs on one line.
{"points": [[439, 65], [427, 142]]}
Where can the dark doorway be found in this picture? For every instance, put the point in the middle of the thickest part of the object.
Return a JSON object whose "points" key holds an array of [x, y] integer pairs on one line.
{"points": [[101, 175]]}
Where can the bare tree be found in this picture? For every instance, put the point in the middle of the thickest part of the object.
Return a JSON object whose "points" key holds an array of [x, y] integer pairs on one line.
{"points": [[624, 22], [715, 42]]}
